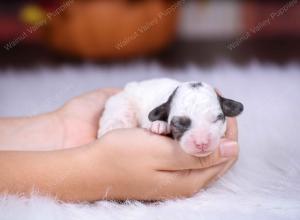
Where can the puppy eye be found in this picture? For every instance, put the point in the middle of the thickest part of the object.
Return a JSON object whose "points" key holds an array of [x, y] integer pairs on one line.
{"points": [[220, 117], [181, 122]]}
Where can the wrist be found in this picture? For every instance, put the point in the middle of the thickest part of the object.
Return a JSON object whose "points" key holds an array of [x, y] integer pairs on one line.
{"points": [[41, 132], [94, 170], [57, 128]]}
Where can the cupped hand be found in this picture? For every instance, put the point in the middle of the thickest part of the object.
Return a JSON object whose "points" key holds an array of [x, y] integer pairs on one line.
{"points": [[136, 164], [79, 117]]}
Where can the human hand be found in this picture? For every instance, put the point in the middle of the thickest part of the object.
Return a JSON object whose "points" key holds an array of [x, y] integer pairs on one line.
{"points": [[79, 117], [123, 164], [136, 164]]}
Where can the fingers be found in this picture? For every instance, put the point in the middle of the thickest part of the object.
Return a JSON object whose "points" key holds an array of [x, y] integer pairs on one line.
{"points": [[228, 149], [163, 152], [232, 129], [186, 183], [105, 91], [176, 159], [204, 178], [201, 178], [166, 154], [111, 91], [100, 93]]}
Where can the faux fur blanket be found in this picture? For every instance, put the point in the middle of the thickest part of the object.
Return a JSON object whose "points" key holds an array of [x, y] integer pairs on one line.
{"points": [[264, 183]]}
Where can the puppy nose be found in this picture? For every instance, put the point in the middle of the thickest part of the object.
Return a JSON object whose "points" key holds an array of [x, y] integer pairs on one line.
{"points": [[202, 145]]}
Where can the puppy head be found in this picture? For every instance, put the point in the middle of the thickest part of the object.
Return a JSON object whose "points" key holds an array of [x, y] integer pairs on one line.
{"points": [[196, 115]]}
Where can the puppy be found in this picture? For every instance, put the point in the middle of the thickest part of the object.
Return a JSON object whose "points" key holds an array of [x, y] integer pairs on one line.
{"points": [[190, 112]]}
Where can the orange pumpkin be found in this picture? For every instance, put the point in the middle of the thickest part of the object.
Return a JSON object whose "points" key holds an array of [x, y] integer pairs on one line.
{"points": [[100, 29]]}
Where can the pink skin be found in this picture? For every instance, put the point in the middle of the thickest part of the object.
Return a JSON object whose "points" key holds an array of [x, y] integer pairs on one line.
{"points": [[159, 127], [199, 142]]}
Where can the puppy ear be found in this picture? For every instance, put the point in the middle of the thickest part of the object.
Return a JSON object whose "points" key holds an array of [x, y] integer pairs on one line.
{"points": [[161, 112], [230, 107]]}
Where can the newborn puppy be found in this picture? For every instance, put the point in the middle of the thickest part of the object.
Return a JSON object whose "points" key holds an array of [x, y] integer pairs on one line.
{"points": [[191, 112]]}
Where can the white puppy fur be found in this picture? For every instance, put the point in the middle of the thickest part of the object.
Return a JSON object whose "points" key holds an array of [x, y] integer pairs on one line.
{"points": [[191, 112]]}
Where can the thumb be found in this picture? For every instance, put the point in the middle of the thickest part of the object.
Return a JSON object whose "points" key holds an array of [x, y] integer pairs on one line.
{"points": [[180, 160], [228, 148]]}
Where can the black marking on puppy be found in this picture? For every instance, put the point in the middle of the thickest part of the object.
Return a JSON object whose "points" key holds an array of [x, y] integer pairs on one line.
{"points": [[179, 125], [230, 107], [220, 117], [161, 112], [196, 84]]}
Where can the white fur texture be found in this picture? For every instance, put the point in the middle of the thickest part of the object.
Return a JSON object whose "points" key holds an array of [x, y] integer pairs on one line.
{"points": [[265, 182], [131, 107]]}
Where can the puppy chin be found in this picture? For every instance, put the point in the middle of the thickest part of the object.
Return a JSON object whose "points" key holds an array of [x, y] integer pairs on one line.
{"points": [[188, 148], [194, 152]]}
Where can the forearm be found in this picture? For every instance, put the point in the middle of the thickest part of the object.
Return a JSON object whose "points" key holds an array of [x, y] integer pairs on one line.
{"points": [[68, 175], [42, 132]]}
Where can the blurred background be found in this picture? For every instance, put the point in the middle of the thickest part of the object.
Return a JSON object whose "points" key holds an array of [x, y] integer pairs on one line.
{"points": [[53, 50], [171, 32]]}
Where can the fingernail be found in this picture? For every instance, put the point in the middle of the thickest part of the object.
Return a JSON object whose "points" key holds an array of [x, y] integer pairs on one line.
{"points": [[228, 148]]}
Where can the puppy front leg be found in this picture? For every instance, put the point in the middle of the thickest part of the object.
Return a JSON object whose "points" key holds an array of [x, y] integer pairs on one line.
{"points": [[119, 113], [159, 127]]}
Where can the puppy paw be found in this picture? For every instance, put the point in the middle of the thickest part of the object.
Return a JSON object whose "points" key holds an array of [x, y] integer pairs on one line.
{"points": [[159, 127]]}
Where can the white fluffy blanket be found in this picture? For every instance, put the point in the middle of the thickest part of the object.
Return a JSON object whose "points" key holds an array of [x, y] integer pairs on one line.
{"points": [[264, 183]]}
